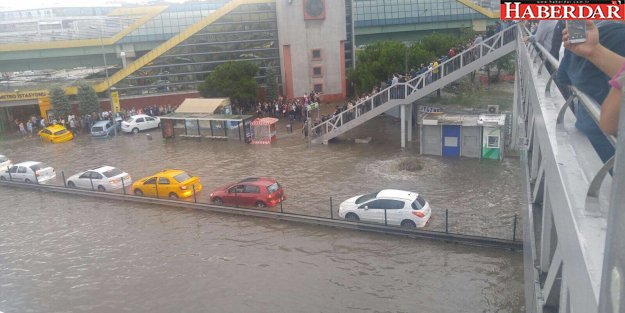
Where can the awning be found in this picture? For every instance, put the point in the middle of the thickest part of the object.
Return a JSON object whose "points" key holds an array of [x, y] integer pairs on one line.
{"points": [[199, 105], [264, 121]]}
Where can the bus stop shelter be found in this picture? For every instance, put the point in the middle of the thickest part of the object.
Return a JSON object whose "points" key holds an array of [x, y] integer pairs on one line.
{"points": [[204, 125]]}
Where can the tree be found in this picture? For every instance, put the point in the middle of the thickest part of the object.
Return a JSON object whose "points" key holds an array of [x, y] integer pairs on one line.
{"points": [[271, 83], [234, 80], [60, 102], [87, 99]]}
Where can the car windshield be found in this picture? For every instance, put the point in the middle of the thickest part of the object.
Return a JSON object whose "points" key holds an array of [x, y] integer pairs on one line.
{"points": [[60, 132], [97, 129], [273, 188], [366, 198], [3, 158], [112, 172], [182, 177], [38, 166]]}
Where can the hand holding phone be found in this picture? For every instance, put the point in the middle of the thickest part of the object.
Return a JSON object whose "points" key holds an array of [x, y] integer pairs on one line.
{"points": [[577, 31]]}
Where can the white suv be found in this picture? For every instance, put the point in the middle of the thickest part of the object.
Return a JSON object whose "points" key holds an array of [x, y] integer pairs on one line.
{"points": [[137, 123], [403, 208], [29, 172]]}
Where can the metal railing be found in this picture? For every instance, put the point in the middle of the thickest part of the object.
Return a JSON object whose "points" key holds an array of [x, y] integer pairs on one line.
{"points": [[402, 92], [565, 207], [443, 225]]}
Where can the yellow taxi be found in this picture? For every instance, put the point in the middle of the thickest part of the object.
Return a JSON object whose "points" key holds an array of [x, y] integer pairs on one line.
{"points": [[172, 184], [56, 134]]}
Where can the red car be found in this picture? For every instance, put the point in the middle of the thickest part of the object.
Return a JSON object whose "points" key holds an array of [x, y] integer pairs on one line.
{"points": [[256, 191]]}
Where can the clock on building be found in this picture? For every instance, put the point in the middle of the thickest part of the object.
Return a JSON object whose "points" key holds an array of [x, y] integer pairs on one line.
{"points": [[314, 9]]}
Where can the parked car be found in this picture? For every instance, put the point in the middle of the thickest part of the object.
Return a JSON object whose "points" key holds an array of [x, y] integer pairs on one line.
{"points": [[29, 172], [403, 208], [102, 129], [102, 178], [137, 123], [255, 191], [173, 184], [56, 134], [5, 163]]}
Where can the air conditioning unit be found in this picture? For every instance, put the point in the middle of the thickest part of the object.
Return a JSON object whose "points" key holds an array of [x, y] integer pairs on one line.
{"points": [[493, 109]]}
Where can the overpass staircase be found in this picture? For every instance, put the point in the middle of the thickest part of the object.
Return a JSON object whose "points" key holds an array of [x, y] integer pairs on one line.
{"points": [[464, 63]]}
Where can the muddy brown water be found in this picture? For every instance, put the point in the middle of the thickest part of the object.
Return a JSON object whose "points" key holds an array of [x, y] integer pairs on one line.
{"points": [[73, 254]]}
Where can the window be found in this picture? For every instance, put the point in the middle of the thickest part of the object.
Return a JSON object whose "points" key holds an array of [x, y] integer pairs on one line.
{"points": [[95, 175], [140, 120], [13, 169], [251, 189], [150, 181], [375, 204], [47, 132], [366, 198], [273, 188], [316, 54], [149, 119], [113, 172], [38, 166], [163, 181], [85, 175], [60, 132], [21, 170], [236, 189], [317, 71], [418, 203], [318, 88], [182, 177], [493, 142]]}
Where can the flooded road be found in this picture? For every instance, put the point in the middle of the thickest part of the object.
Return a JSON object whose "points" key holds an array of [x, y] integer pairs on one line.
{"points": [[74, 254]]}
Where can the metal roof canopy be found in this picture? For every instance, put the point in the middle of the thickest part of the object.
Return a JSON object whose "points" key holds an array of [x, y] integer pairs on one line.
{"points": [[464, 119], [201, 105], [206, 117]]}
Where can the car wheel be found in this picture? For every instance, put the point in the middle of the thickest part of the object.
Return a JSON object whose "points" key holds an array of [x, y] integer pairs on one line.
{"points": [[27, 181], [173, 196], [408, 224], [138, 192], [71, 184], [2, 178], [101, 188], [260, 204], [352, 217], [135, 130], [218, 201]]}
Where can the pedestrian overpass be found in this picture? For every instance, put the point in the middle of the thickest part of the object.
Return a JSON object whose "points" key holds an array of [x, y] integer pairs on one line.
{"points": [[573, 209]]}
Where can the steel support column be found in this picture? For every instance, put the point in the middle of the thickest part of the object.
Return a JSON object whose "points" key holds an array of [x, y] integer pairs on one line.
{"points": [[402, 113]]}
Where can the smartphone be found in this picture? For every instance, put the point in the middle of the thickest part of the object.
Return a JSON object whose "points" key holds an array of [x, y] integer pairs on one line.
{"points": [[577, 31]]}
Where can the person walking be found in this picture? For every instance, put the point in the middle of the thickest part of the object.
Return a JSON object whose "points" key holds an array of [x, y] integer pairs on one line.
{"points": [[22, 129], [29, 128]]}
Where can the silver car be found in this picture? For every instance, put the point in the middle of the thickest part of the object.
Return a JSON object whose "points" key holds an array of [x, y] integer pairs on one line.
{"points": [[29, 172], [103, 178]]}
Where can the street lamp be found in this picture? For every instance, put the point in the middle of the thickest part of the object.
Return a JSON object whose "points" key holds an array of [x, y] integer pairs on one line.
{"points": [[106, 72]]}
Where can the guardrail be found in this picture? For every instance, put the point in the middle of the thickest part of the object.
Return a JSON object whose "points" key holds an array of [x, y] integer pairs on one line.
{"points": [[445, 234]]}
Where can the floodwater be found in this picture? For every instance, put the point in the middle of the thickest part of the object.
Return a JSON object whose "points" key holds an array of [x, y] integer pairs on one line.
{"points": [[74, 254]]}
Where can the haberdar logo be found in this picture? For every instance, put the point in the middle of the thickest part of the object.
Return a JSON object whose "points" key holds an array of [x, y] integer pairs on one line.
{"points": [[563, 10]]}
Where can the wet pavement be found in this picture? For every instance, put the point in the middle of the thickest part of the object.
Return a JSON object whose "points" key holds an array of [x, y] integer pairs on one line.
{"points": [[67, 254]]}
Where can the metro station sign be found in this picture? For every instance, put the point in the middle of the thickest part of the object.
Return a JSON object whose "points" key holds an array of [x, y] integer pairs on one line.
{"points": [[23, 95]]}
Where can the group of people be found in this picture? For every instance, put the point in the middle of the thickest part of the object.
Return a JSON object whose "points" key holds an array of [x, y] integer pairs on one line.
{"points": [[595, 67], [294, 109], [83, 123]]}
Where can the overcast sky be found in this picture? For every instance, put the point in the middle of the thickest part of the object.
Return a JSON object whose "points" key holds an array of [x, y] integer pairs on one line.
{"points": [[30, 4]]}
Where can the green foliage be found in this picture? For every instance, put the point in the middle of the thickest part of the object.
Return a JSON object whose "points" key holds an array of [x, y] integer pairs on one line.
{"points": [[234, 80], [271, 83], [379, 61], [60, 102], [87, 99]]}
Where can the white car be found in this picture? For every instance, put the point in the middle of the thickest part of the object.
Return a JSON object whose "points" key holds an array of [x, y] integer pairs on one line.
{"points": [[5, 163], [403, 208], [103, 178], [29, 172], [137, 123]]}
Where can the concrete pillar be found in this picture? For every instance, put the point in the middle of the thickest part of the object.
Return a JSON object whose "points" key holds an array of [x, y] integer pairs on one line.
{"points": [[514, 140], [409, 121], [402, 113]]}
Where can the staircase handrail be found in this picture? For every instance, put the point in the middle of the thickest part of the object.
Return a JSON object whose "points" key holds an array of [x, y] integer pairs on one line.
{"points": [[420, 80]]}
